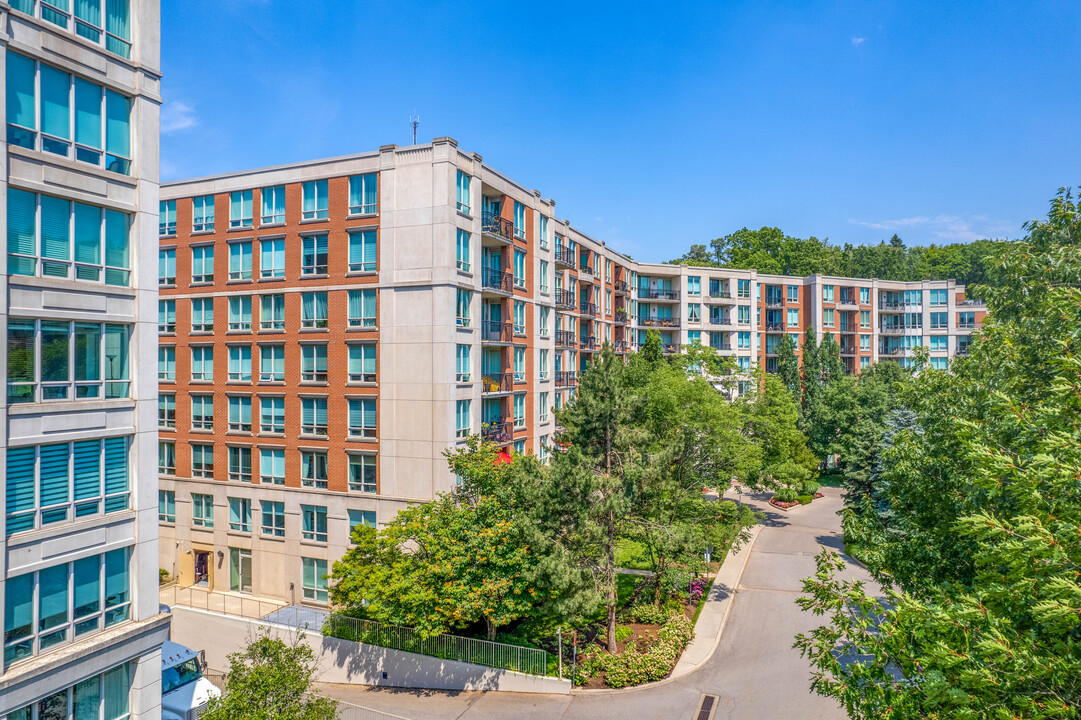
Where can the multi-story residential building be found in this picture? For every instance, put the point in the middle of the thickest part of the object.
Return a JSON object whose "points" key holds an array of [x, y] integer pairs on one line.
{"points": [[79, 597], [329, 328]]}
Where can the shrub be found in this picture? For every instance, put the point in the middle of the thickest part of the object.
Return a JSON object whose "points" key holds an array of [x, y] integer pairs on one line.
{"points": [[785, 494], [810, 488], [804, 499], [623, 632], [646, 614], [697, 588], [634, 668], [163, 576]]}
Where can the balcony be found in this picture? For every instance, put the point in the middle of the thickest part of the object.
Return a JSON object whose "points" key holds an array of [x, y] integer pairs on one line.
{"points": [[498, 382], [621, 346], [564, 256], [566, 378], [621, 316], [898, 329], [585, 268], [587, 342], [721, 346], [670, 348], [658, 294], [775, 302], [891, 352], [589, 308], [565, 299], [966, 325], [494, 331], [497, 431], [565, 338], [848, 350], [720, 319], [496, 227], [495, 280], [774, 327], [621, 287], [848, 300], [670, 322], [720, 294]]}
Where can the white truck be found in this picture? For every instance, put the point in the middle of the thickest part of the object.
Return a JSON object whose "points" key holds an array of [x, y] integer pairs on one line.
{"points": [[184, 691]]}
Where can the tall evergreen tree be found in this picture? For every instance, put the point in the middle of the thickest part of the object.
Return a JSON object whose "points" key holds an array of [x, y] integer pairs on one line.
{"points": [[788, 369]]}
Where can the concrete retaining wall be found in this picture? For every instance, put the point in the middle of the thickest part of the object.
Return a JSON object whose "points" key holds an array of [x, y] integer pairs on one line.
{"points": [[344, 661]]}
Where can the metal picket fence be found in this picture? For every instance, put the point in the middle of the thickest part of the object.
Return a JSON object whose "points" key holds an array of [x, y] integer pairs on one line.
{"points": [[533, 661]]}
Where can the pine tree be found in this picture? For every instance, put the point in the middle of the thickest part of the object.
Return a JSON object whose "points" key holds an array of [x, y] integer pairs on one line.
{"points": [[788, 366]]}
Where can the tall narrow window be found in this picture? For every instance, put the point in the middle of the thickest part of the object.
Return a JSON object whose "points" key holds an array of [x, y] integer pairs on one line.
{"points": [[463, 260], [272, 258], [167, 316], [240, 261], [273, 205], [272, 312], [202, 315], [464, 298], [362, 251], [313, 260], [463, 193], [240, 312], [240, 209], [362, 418], [202, 412], [272, 363], [202, 214], [240, 363], [240, 414], [315, 201], [363, 194], [202, 264], [313, 469], [313, 416], [166, 265], [272, 415], [519, 220], [313, 310]]}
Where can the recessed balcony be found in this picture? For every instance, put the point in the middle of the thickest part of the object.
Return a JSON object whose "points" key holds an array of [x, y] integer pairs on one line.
{"points": [[494, 331], [498, 282], [497, 228]]}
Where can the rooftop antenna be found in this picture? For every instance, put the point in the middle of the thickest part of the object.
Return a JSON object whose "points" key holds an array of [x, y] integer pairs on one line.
{"points": [[414, 120]]}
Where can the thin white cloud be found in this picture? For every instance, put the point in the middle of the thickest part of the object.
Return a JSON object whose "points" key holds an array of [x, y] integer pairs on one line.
{"points": [[177, 116], [949, 228], [857, 41]]}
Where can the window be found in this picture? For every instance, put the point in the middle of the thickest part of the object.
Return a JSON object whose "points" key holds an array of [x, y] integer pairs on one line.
{"points": [[865, 296], [166, 261], [273, 205], [272, 258], [202, 510], [865, 343], [694, 337], [61, 482], [202, 461], [202, 412], [543, 454], [519, 411], [240, 464], [743, 288], [966, 319], [362, 308], [464, 365], [202, 214], [543, 276], [313, 469], [743, 340], [544, 407], [272, 363], [240, 261], [69, 109], [865, 362], [913, 297], [53, 237], [240, 570], [166, 217], [59, 604], [694, 312], [313, 416], [463, 193], [938, 297], [167, 316], [166, 362], [519, 364], [166, 462], [202, 315], [792, 317], [272, 466], [315, 579], [60, 360], [202, 363], [313, 261], [273, 518], [166, 410], [362, 418], [865, 319], [543, 364], [313, 310], [828, 317], [463, 251], [272, 415], [314, 200], [940, 320], [362, 251], [461, 309], [365, 518], [463, 423], [519, 269], [240, 312], [519, 317], [202, 264], [363, 194], [743, 314], [272, 312], [240, 515], [544, 313], [362, 473], [362, 363], [940, 342], [519, 220], [240, 414], [694, 285], [519, 447], [313, 522], [313, 363]]}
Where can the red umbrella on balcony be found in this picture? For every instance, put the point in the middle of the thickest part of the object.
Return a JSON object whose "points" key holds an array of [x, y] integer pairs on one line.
{"points": [[503, 457]]}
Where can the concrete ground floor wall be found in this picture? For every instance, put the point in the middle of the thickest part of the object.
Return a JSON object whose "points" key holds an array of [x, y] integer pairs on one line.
{"points": [[344, 661], [276, 562]]}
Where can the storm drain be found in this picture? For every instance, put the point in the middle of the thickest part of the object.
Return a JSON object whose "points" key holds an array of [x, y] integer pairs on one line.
{"points": [[705, 709]]}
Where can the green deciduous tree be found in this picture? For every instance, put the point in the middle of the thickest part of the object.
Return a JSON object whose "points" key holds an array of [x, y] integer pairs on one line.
{"points": [[773, 424], [271, 680]]}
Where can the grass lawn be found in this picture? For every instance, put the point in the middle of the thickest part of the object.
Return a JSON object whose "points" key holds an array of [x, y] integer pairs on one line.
{"points": [[833, 479], [632, 555]]}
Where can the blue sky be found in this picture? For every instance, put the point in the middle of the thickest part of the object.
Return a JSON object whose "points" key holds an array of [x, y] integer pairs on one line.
{"points": [[658, 125]]}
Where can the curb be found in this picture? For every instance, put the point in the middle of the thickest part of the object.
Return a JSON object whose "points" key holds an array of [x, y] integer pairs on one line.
{"points": [[716, 642]]}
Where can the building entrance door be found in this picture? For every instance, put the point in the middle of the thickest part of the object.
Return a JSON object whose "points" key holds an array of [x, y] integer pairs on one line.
{"points": [[202, 567]]}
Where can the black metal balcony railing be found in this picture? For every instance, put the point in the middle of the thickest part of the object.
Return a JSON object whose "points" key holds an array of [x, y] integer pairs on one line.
{"points": [[658, 322], [721, 294], [774, 302], [621, 346], [586, 268], [621, 316], [499, 382], [657, 294], [848, 349], [496, 331], [566, 378], [670, 347], [896, 329], [497, 431], [621, 287], [565, 299], [492, 224], [564, 256], [962, 349], [891, 351], [496, 279], [587, 342], [589, 308], [720, 319], [774, 327], [565, 338], [847, 299]]}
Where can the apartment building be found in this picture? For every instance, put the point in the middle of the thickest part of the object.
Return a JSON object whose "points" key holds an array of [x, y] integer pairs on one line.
{"points": [[328, 329], [79, 597]]}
